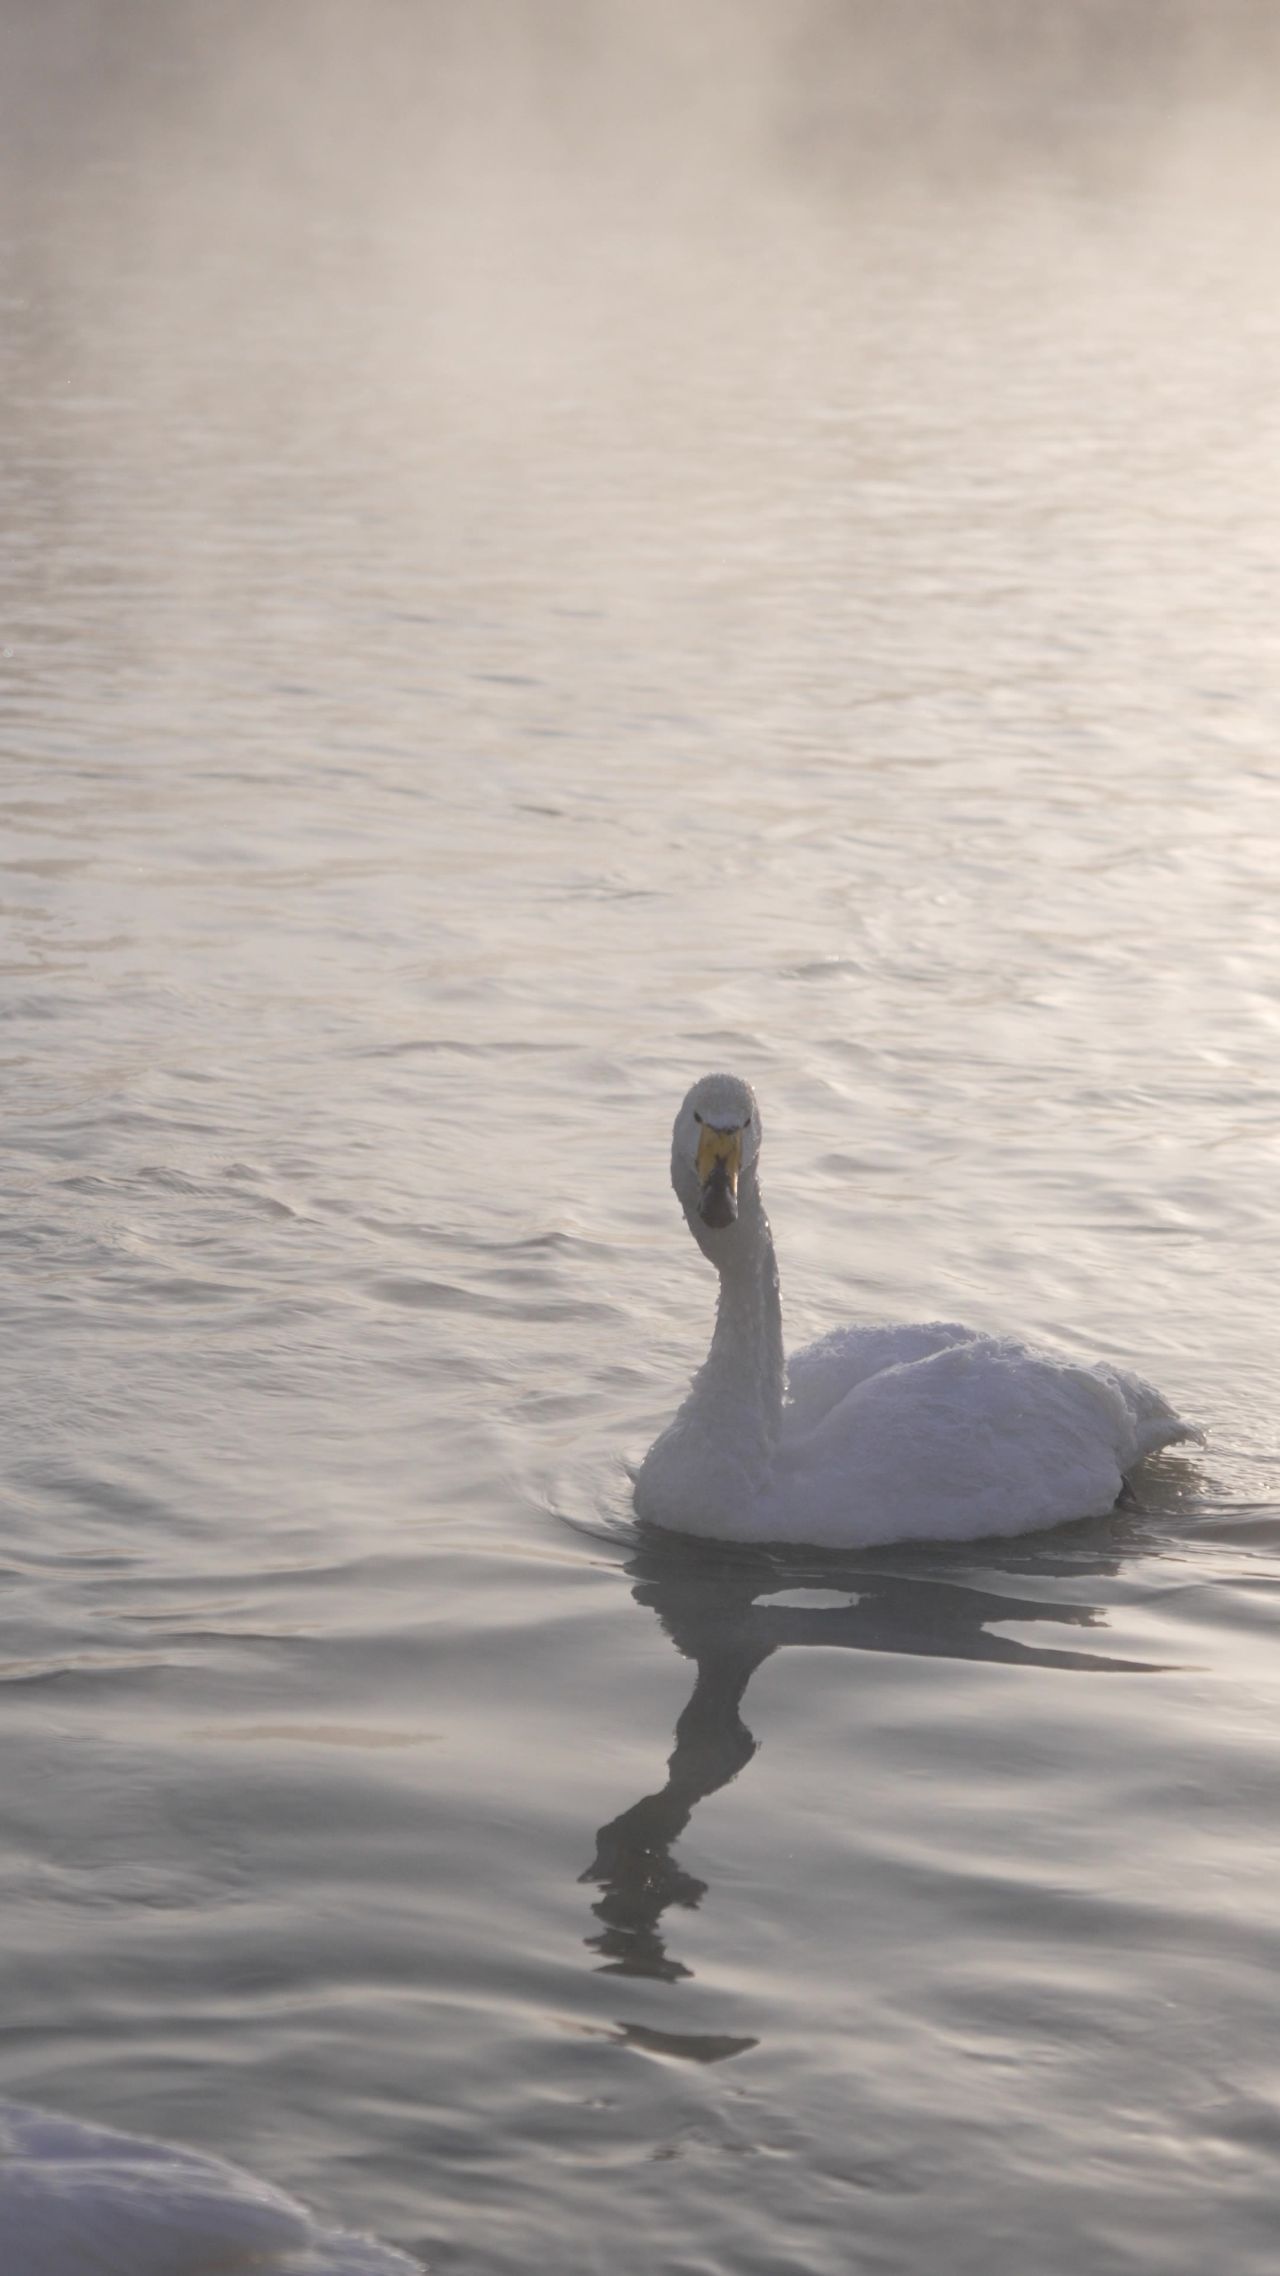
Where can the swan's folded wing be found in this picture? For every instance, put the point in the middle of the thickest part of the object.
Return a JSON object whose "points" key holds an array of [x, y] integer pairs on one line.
{"points": [[823, 1373], [979, 1437]]}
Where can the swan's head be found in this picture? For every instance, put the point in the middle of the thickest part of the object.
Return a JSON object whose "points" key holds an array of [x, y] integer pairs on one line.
{"points": [[714, 1149]]}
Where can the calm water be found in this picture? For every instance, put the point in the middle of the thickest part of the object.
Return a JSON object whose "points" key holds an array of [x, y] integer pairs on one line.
{"points": [[499, 620]]}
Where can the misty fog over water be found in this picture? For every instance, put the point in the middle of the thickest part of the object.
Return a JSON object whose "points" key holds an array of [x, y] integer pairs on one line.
{"points": [[545, 549]]}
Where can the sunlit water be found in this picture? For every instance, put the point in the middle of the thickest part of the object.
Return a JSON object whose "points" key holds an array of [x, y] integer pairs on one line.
{"points": [[487, 637]]}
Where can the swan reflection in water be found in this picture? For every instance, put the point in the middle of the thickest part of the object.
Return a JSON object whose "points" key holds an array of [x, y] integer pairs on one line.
{"points": [[728, 1608]]}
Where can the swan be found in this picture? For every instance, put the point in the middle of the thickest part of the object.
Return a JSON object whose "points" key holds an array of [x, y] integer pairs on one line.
{"points": [[81, 2200], [873, 1434]]}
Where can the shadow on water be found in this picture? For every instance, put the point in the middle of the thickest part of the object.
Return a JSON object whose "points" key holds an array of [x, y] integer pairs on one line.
{"points": [[728, 1609]]}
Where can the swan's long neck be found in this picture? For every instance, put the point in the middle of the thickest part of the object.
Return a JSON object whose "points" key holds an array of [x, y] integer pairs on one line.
{"points": [[738, 1389], [708, 1468]]}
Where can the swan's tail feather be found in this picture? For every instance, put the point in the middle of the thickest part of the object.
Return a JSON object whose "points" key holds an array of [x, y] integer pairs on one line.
{"points": [[1155, 1422]]}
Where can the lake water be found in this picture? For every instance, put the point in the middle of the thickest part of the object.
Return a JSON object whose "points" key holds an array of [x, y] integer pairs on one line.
{"points": [[513, 597]]}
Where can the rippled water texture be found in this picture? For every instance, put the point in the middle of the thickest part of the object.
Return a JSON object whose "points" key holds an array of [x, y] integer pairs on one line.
{"points": [[541, 554]]}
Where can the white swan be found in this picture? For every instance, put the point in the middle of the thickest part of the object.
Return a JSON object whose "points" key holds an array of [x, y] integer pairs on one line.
{"points": [[79, 2200], [872, 1434]]}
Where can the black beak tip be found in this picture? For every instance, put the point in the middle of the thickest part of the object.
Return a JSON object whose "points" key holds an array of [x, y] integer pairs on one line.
{"points": [[718, 1206]]}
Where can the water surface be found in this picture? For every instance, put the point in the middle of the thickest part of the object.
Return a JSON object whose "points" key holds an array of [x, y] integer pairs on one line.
{"points": [[498, 621]]}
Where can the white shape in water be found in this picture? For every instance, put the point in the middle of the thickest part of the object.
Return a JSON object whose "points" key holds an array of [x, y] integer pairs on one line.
{"points": [[79, 2200], [873, 1434]]}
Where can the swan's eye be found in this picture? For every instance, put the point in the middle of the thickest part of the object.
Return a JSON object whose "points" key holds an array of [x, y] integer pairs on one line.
{"points": [[697, 1118]]}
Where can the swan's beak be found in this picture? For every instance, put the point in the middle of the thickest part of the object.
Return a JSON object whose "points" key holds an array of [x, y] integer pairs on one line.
{"points": [[719, 1160]]}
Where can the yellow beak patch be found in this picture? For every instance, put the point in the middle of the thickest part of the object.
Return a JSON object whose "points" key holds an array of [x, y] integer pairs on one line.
{"points": [[720, 1149]]}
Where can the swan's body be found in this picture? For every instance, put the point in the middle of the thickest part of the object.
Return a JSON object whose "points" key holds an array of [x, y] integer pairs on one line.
{"points": [[79, 2200], [872, 1434]]}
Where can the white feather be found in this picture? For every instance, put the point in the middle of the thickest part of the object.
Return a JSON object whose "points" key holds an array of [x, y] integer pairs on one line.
{"points": [[82, 2200]]}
